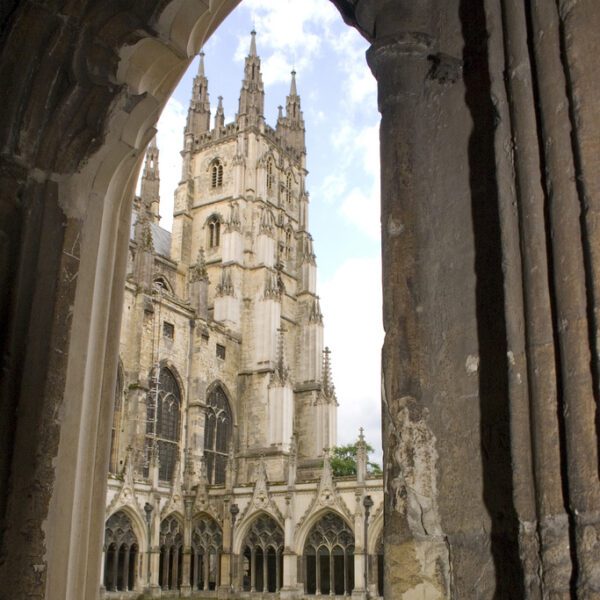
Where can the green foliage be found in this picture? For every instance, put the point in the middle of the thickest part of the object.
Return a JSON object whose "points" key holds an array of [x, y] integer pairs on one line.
{"points": [[343, 461]]}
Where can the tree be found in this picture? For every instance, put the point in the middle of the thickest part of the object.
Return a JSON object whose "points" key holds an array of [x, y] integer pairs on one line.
{"points": [[343, 461]]}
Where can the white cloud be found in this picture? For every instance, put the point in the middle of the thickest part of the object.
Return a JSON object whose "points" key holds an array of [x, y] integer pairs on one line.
{"points": [[291, 30], [363, 211], [351, 302], [170, 143]]}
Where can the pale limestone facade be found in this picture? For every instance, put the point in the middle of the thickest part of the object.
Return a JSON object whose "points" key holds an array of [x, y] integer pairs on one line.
{"points": [[221, 319]]}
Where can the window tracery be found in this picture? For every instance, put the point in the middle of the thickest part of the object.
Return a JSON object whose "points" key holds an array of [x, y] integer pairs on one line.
{"points": [[329, 557], [121, 553], [262, 567], [207, 547], [216, 176], [217, 434], [214, 231], [163, 416], [171, 554]]}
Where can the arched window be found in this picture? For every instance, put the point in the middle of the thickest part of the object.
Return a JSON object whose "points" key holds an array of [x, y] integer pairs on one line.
{"points": [[217, 435], [262, 568], [288, 188], [121, 553], [163, 415], [329, 557], [216, 174], [270, 176], [113, 465], [171, 554], [214, 231], [207, 546]]}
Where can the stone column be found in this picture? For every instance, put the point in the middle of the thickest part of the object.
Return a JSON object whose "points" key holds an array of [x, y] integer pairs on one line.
{"points": [[290, 559], [401, 61], [571, 300], [186, 588]]}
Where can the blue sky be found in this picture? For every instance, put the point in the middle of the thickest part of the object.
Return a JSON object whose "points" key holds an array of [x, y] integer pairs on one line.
{"points": [[338, 96]]}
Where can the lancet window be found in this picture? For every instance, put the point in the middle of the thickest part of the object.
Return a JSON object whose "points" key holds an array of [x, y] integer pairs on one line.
{"points": [[207, 546], [121, 552], [162, 427], [329, 557], [171, 554], [216, 174], [262, 566], [217, 435], [113, 466], [214, 231]]}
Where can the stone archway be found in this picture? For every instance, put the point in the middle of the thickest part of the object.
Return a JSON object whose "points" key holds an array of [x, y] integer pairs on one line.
{"points": [[491, 277]]}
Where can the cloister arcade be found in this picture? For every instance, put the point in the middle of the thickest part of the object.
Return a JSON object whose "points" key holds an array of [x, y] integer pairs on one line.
{"points": [[327, 557]]}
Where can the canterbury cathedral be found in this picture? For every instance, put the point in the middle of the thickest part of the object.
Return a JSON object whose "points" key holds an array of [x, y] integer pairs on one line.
{"points": [[225, 411]]}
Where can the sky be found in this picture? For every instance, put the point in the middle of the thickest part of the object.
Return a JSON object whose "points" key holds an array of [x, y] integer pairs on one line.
{"points": [[338, 95]]}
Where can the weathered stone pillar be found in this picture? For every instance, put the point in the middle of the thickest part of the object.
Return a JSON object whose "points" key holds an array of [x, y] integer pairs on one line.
{"points": [[186, 588], [573, 328], [400, 60]]}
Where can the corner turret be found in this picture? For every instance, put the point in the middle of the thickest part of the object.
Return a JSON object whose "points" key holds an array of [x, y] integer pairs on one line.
{"points": [[291, 127], [150, 189], [252, 94]]}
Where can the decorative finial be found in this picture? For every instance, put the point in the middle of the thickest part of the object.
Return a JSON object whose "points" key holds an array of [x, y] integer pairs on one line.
{"points": [[201, 65], [253, 43], [293, 91]]}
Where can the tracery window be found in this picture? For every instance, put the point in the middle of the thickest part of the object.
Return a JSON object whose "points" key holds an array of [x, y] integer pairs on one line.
{"points": [[171, 554], [329, 557], [217, 435], [214, 231], [270, 177], [216, 174], [207, 546], [162, 427], [121, 553], [262, 567], [113, 466]]}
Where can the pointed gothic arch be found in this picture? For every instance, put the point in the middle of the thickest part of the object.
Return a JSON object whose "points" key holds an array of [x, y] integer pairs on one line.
{"points": [[121, 553], [213, 231], [207, 548], [163, 421], [171, 552], [328, 557], [261, 554], [218, 433]]}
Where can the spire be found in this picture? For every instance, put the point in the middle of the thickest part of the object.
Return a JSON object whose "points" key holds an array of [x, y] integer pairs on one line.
{"points": [[293, 91], [198, 120], [291, 126], [252, 94], [150, 191], [201, 64]]}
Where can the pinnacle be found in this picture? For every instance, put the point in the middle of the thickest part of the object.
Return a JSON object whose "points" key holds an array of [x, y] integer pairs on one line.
{"points": [[293, 90], [253, 43], [201, 64]]}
